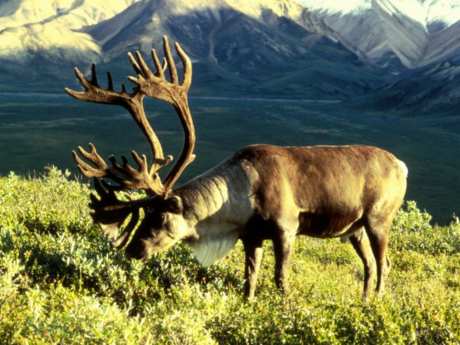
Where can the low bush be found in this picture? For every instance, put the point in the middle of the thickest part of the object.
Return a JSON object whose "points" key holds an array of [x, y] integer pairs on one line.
{"points": [[61, 282]]}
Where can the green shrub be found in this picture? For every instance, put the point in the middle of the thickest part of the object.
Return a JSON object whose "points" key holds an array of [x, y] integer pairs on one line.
{"points": [[412, 219], [412, 231], [61, 282]]}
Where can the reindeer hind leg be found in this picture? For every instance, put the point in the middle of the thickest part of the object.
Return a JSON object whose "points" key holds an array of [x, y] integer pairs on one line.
{"points": [[378, 232], [360, 243]]}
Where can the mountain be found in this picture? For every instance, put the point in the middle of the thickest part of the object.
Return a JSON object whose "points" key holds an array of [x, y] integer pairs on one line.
{"points": [[415, 41], [258, 47], [195, 20], [415, 32], [58, 29], [392, 50]]}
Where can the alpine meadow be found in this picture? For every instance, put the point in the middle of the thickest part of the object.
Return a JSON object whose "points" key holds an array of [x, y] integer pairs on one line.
{"points": [[239, 172]]}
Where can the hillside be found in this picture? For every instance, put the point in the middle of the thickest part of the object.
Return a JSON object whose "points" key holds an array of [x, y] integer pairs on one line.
{"points": [[52, 29], [377, 50], [62, 283]]}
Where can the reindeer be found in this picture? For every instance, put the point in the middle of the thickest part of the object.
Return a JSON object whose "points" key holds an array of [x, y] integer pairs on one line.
{"points": [[263, 192]]}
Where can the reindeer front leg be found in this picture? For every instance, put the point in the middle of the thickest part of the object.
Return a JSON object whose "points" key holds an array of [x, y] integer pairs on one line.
{"points": [[254, 252], [282, 245]]}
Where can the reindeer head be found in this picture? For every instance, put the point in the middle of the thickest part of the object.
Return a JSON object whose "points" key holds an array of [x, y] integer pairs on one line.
{"points": [[155, 222], [162, 227]]}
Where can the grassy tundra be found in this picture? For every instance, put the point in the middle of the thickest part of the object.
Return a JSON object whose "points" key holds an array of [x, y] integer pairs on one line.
{"points": [[62, 283]]}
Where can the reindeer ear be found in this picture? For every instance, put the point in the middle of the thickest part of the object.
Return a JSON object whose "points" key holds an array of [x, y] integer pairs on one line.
{"points": [[174, 204]]}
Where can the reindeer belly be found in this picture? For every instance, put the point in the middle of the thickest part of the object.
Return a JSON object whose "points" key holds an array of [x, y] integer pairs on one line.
{"points": [[318, 224]]}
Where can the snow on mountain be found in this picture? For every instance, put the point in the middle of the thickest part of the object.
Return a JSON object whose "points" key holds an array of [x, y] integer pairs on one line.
{"points": [[53, 28], [443, 12], [335, 7], [14, 13], [425, 12], [417, 32]]}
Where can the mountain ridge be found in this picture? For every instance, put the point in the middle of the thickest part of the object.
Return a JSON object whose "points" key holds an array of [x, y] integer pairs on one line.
{"points": [[301, 48], [417, 32]]}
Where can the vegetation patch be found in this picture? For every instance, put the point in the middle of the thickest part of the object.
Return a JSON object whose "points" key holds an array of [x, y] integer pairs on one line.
{"points": [[61, 282]]}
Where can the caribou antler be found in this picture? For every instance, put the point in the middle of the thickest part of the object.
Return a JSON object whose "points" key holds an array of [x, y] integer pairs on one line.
{"points": [[124, 175], [150, 84], [107, 209], [172, 92], [110, 212]]}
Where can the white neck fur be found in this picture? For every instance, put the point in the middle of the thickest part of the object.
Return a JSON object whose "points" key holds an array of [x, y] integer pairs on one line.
{"points": [[220, 203]]}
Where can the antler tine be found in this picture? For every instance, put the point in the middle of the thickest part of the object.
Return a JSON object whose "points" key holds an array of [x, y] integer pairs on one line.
{"points": [[145, 69], [160, 69], [94, 75], [109, 81], [93, 157], [134, 63], [187, 63], [171, 63]]}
